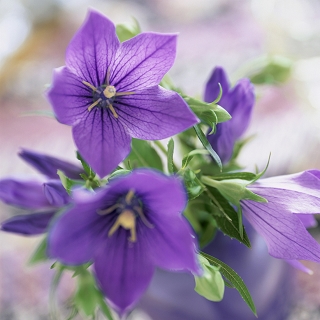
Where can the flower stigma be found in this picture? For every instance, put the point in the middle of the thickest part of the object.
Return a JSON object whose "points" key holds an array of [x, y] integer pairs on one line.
{"points": [[130, 209]]}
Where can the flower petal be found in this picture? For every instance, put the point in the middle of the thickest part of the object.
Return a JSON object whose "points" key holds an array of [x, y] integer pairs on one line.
{"points": [[212, 88], [308, 220], [69, 97], [28, 224], [142, 61], [284, 232], [56, 193], [48, 165], [154, 113], [93, 48], [123, 271], [298, 265], [101, 140], [23, 193], [75, 235]]}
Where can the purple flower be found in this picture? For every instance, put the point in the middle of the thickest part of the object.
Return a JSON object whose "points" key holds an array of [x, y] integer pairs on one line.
{"points": [[108, 91], [283, 220], [238, 101], [42, 198], [127, 229]]}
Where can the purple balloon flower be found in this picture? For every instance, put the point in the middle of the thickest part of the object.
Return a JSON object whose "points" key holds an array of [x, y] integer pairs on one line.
{"points": [[42, 197], [108, 91], [127, 229], [238, 101], [283, 220]]}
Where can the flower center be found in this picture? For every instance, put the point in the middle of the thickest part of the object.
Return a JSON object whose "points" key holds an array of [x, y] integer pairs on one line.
{"points": [[105, 95], [130, 208]]}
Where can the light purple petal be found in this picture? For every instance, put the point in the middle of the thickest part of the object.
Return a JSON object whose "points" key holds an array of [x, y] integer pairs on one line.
{"points": [[123, 270], [284, 233], [212, 88], [69, 97], [298, 265], [154, 113], [56, 193], [49, 165], [308, 220], [102, 141], [28, 224], [142, 61], [23, 193], [76, 235], [93, 48]]}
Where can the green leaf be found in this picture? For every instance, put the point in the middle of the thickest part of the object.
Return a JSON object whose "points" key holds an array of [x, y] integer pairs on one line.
{"points": [[104, 307], [229, 226], [143, 155], [234, 279], [170, 156], [85, 166], [234, 175], [210, 285], [193, 184], [207, 145], [188, 157], [40, 254], [127, 31]]}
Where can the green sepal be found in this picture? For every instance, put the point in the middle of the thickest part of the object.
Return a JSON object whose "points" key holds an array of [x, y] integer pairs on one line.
{"points": [[203, 139], [85, 165], [67, 182], [234, 279], [227, 218], [193, 184], [188, 157], [127, 31], [170, 164], [143, 155], [118, 173], [210, 285], [40, 254]]}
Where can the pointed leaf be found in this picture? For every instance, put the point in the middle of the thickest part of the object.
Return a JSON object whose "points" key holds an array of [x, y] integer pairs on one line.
{"points": [[170, 156]]}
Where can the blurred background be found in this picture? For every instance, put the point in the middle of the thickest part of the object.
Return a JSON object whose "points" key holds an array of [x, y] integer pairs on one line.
{"points": [[274, 42]]}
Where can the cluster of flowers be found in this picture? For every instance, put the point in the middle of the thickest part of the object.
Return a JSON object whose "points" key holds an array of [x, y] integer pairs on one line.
{"points": [[132, 221]]}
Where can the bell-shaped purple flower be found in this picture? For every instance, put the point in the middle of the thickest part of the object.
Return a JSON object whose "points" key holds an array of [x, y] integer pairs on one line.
{"points": [[283, 220], [108, 91], [41, 198], [238, 101], [127, 229]]}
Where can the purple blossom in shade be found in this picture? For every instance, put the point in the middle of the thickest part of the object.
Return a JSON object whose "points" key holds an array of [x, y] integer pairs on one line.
{"points": [[238, 101], [41, 198], [283, 220], [48, 165], [108, 92], [127, 229]]}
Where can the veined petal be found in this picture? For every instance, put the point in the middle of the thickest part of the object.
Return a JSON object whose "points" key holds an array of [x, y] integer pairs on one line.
{"points": [[101, 140], [28, 224], [56, 193], [308, 220], [285, 234], [142, 61], [76, 234], [154, 113], [123, 270], [212, 88], [23, 193], [69, 97], [93, 48], [49, 165]]}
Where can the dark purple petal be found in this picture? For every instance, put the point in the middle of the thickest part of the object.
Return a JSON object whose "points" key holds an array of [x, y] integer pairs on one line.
{"points": [[75, 236], [49, 165], [28, 224], [123, 270], [284, 232], [242, 97], [93, 48], [222, 141], [142, 61], [102, 141], [23, 193], [56, 193], [69, 97], [212, 88], [154, 113]]}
